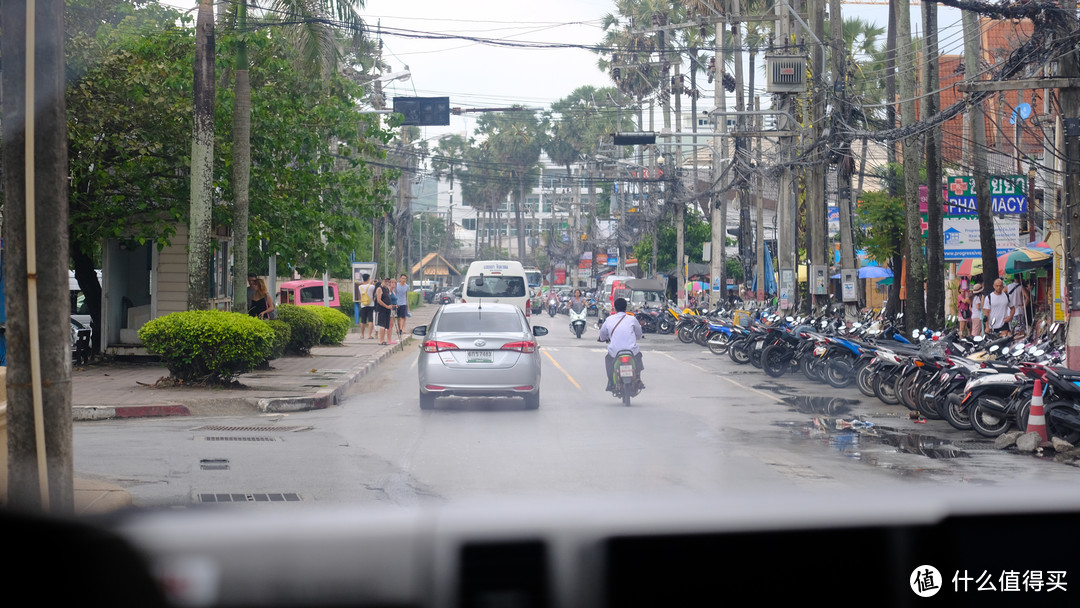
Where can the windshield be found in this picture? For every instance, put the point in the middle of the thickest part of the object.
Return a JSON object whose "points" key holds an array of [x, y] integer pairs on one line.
{"points": [[187, 170], [496, 287]]}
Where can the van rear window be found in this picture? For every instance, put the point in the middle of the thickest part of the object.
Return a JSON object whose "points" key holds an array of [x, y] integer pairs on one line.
{"points": [[496, 287], [309, 295]]}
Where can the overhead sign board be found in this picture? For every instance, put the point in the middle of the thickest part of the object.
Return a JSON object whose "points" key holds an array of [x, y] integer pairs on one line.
{"points": [[1008, 195]]}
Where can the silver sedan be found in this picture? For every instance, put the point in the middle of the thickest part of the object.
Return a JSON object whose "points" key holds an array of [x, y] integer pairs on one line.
{"points": [[477, 349]]}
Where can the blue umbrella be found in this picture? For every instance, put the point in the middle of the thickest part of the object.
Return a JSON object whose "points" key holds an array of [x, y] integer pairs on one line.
{"points": [[874, 272]]}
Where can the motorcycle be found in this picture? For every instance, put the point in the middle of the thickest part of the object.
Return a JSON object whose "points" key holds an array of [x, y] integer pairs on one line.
{"points": [[627, 377], [553, 306], [577, 321]]}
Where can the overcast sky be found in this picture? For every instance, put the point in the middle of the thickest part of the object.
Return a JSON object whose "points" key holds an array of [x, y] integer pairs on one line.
{"points": [[476, 75]]}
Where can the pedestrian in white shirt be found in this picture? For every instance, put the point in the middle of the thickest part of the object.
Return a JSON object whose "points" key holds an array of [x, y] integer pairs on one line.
{"points": [[999, 309]]}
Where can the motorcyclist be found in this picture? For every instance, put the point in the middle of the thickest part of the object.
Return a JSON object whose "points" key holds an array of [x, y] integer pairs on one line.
{"points": [[577, 302], [621, 331]]}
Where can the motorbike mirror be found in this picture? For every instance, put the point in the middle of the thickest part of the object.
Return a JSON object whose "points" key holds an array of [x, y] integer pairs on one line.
{"points": [[994, 348], [914, 333], [856, 325], [790, 319], [979, 338], [1039, 352]]}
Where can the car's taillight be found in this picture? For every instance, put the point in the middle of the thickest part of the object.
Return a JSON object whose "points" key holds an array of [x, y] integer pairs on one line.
{"points": [[524, 347], [528, 310], [434, 346]]}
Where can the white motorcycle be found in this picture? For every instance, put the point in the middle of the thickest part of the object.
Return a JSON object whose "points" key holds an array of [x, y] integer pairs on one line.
{"points": [[577, 321]]}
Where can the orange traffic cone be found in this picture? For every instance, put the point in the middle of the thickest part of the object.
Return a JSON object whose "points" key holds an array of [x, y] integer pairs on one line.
{"points": [[1036, 416]]}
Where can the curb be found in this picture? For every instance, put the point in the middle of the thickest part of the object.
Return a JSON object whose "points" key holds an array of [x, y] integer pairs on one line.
{"points": [[102, 412]]}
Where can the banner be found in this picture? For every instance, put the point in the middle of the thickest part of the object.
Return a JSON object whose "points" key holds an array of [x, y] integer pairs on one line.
{"points": [[962, 236], [1007, 195]]}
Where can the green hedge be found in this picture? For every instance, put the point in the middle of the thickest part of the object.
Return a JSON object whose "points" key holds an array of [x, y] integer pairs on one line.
{"points": [[346, 301], [414, 299], [306, 325], [209, 346], [335, 324], [282, 335]]}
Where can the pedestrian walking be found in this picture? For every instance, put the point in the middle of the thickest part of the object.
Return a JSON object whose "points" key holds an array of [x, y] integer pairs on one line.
{"points": [[977, 310], [963, 308], [998, 309], [261, 304], [1018, 303], [367, 308], [383, 308], [401, 290]]}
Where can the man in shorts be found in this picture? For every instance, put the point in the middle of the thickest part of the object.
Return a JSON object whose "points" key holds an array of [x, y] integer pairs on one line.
{"points": [[401, 290], [367, 308], [999, 309]]}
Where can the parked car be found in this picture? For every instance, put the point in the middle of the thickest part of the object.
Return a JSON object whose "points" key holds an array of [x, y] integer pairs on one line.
{"points": [[306, 292], [479, 349], [450, 295]]}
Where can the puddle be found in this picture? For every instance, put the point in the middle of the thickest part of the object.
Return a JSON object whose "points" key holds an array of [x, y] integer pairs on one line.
{"points": [[832, 406], [925, 445]]}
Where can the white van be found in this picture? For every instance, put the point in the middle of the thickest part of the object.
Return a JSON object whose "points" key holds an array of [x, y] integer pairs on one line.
{"points": [[497, 281]]}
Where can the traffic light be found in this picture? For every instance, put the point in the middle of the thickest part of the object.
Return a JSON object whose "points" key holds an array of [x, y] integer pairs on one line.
{"points": [[423, 111]]}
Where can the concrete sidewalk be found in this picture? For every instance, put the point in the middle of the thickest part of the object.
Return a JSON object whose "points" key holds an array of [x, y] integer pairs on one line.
{"points": [[114, 390]]}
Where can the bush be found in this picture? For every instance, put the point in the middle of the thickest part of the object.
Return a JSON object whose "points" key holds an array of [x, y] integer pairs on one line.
{"points": [[282, 334], [306, 326], [209, 346], [346, 302], [335, 324], [414, 299]]}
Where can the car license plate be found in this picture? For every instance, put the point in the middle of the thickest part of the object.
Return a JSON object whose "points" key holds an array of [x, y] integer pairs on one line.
{"points": [[759, 345], [479, 356]]}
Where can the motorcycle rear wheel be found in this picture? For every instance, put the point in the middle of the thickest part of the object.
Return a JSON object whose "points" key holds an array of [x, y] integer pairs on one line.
{"points": [[928, 407], [956, 415], [686, 334], [988, 422], [719, 343], [664, 327], [885, 389], [864, 380], [838, 373], [776, 360], [738, 352], [1055, 426]]}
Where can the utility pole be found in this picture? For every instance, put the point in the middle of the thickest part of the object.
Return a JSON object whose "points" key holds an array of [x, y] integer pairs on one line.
{"points": [[680, 206], [846, 164], [35, 183], [977, 129], [817, 235], [718, 206], [787, 201], [759, 184], [741, 152], [1070, 110]]}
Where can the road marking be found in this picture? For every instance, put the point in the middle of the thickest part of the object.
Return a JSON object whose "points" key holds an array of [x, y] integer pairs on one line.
{"points": [[560, 368], [724, 378]]}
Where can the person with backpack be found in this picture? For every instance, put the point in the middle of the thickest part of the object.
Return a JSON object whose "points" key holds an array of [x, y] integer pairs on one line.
{"points": [[999, 309], [367, 308]]}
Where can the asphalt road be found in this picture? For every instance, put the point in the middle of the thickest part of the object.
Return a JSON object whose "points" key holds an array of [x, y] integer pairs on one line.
{"points": [[704, 425]]}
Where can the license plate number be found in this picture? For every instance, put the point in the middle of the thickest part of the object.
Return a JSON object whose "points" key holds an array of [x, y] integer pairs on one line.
{"points": [[479, 356], [626, 371], [759, 345]]}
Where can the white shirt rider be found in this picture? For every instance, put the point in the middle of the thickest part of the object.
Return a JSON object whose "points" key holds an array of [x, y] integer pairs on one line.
{"points": [[622, 332]]}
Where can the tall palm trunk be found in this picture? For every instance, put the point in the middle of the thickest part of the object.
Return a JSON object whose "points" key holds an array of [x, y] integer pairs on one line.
{"points": [[914, 306], [202, 161], [241, 165]]}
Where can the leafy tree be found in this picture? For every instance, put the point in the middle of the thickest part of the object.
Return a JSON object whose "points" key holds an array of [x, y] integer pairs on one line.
{"points": [[515, 140]]}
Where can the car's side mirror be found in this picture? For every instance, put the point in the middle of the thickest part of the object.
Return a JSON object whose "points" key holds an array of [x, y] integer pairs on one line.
{"points": [[538, 330], [420, 330]]}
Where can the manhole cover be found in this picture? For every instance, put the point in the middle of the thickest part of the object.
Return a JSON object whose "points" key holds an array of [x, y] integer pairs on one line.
{"points": [[253, 497]]}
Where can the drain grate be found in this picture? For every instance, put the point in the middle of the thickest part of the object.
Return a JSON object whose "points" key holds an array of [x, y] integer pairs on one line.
{"points": [[214, 464], [252, 429], [249, 439], [252, 497]]}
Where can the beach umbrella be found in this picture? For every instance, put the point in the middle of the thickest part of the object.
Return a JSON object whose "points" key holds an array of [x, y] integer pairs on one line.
{"points": [[1024, 258]]}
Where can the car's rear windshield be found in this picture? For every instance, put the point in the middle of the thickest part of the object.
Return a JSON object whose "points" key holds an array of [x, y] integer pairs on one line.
{"points": [[480, 321], [496, 287]]}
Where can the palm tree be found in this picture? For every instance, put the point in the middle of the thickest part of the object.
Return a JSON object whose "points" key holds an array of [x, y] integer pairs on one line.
{"points": [[318, 51]]}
